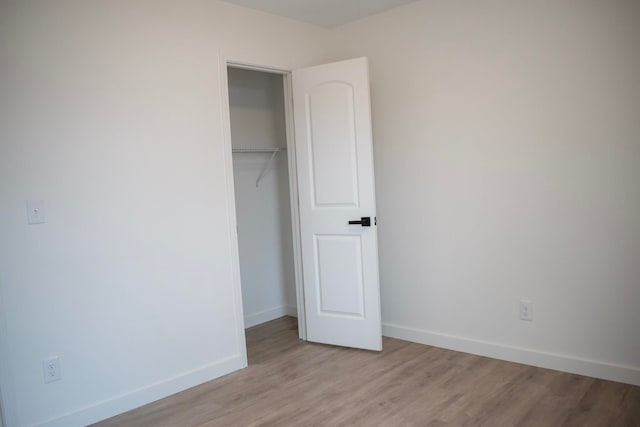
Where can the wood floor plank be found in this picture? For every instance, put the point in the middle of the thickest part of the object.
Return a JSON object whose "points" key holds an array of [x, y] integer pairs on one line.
{"points": [[294, 383], [604, 403], [562, 394]]}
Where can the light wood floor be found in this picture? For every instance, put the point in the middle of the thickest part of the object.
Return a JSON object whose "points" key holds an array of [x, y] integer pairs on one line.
{"points": [[294, 383]]}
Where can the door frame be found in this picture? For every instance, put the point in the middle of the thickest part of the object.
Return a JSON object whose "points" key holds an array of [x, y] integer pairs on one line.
{"points": [[225, 63]]}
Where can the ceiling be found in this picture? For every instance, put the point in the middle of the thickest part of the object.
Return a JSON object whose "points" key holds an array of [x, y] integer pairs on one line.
{"points": [[326, 13]]}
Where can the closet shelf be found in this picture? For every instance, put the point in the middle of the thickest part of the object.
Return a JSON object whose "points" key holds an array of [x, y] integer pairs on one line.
{"points": [[258, 150], [273, 151]]}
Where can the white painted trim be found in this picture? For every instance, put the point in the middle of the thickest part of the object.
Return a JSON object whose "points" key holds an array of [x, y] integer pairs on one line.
{"points": [[295, 207], [292, 310], [226, 62], [527, 356], [234, 250], [268, 315], [254, 67], [142, 396]]}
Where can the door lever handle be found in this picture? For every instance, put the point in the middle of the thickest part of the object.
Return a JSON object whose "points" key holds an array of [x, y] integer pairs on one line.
{"points": [[365, 221]]}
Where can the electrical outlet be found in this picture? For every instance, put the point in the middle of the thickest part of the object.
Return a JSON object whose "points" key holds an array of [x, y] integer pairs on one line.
{"points": [[526, 310], [51, 369]]}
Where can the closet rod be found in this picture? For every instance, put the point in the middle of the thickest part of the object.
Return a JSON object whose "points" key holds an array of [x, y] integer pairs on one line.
{"points": [[273, 151]]}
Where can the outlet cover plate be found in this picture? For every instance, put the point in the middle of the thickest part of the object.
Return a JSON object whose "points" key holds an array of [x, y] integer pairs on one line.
{"points": [[51, 369]]}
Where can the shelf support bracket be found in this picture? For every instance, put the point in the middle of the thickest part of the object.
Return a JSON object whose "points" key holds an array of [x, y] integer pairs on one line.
{"points": [[265, 168]]}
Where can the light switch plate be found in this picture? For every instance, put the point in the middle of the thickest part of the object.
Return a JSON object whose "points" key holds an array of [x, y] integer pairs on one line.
{"points": [[526, 310], [35, 212]]}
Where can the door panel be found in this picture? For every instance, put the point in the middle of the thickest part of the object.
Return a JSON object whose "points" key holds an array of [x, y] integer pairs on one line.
{"points": [[336, 184], [339, 276], [332, 144]]}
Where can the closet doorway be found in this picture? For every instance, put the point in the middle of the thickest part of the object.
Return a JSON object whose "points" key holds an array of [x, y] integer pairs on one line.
{"points": [[264, 188], [304, 206]]}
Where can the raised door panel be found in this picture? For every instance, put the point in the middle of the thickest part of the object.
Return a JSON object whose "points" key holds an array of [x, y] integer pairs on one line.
{"points": [[332, 144], [339, 277]]}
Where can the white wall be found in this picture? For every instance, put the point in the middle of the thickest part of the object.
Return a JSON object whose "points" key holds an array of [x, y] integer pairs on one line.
{"points": [[508, 167], [256, 102], [111, 113], [507, 156]]}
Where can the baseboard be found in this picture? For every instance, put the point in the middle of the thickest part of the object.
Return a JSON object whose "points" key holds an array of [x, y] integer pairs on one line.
{"points": [[128, 401], [558, 362], [292, 310], [267, 315]]}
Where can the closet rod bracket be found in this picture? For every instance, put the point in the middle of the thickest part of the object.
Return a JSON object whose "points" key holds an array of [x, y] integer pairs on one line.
{"points": [[266, 166]]}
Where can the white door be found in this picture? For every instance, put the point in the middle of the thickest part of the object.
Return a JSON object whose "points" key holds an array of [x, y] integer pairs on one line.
{"points": [[332, 116]]}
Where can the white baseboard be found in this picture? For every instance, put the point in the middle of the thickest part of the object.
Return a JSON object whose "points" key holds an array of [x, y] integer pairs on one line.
{"points": [[136, 398], [527, 356], [292, 310], [270, 314]]}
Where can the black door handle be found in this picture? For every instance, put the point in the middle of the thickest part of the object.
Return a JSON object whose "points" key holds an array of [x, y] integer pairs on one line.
{"points": [[365, 221]]}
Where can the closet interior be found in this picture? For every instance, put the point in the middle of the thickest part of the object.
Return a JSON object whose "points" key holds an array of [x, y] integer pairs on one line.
{"points": [[262, 194]]}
